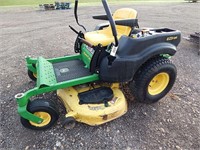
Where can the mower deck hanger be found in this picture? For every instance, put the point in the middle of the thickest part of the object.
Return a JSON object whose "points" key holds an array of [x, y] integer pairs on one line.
{"points": [[88, 82]]}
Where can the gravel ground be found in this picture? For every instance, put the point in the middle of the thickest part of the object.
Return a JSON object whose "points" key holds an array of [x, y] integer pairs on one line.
{"points": [[172, 123]]}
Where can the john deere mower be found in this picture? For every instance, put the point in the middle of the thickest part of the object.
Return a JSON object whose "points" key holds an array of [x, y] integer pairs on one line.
{"points": [[88, 82]]}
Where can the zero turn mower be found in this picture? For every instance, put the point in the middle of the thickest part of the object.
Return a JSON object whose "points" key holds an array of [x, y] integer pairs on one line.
{"points": [[88, 82]]}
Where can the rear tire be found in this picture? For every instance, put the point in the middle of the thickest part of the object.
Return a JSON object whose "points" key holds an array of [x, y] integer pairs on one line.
{"points": [[153, 80], [44, 109]]}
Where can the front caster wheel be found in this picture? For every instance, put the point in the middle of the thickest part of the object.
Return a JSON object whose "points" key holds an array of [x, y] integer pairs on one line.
{"points": [[43, 109], [32, 75], [154, 80]]}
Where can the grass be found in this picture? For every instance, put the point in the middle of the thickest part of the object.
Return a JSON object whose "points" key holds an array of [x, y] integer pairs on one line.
{"points": [[86, 2]]}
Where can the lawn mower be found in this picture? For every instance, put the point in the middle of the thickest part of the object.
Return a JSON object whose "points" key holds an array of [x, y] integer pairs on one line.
{"points": [[88, 82]]}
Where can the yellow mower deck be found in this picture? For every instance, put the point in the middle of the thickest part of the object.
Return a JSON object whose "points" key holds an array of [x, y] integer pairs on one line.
{"points": [[92, 114]]}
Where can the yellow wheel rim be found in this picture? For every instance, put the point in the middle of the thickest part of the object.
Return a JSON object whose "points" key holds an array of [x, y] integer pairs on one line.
{"points": [[46, 119], [158, 84], [35, 75]]}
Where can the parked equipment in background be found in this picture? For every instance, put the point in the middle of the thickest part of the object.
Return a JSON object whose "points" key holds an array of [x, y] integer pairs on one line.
{"points": [[193, 1], [57, 5], [62, 5], [194, 38], [47, 7]]}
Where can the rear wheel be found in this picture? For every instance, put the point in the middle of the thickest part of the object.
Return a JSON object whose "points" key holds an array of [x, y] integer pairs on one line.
{"points": [[44, 109], [153, 80]]}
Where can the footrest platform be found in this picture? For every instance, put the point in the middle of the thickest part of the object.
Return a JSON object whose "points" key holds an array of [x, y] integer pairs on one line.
{"points": [[69, 70]]}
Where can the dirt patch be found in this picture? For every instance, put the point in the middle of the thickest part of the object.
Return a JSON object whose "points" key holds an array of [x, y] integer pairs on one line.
{"points": [[172, 123]]}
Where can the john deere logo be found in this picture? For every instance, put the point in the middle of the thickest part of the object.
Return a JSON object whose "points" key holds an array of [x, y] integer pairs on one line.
{"points": [[64, 70]]}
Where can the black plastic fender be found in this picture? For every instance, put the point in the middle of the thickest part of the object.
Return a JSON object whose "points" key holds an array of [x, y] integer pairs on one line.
{"points": [[132, 53], [124, 68]]}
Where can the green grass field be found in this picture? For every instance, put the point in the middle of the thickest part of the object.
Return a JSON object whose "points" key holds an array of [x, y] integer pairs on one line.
{"points": [[36, 2]]}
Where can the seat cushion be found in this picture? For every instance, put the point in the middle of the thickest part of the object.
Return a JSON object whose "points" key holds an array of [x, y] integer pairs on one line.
{"points": [[105, 37]]}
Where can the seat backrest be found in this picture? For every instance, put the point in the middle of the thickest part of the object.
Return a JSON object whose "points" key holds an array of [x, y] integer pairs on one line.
{"points": [[124, 13]]}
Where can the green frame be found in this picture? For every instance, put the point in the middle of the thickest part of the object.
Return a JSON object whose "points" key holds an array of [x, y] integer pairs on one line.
{"points": [[33, 65], [85, 55]]}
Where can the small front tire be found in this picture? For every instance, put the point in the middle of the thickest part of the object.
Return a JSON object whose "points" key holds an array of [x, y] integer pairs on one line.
{"points": [[32, 75], [44, 109]]}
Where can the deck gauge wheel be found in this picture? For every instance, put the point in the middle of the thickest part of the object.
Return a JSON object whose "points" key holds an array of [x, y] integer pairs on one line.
{"points": [[69, 123]]}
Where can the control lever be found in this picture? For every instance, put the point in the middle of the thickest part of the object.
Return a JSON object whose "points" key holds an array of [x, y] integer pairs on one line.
{"points": [[73, 29], [86, 42]]}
